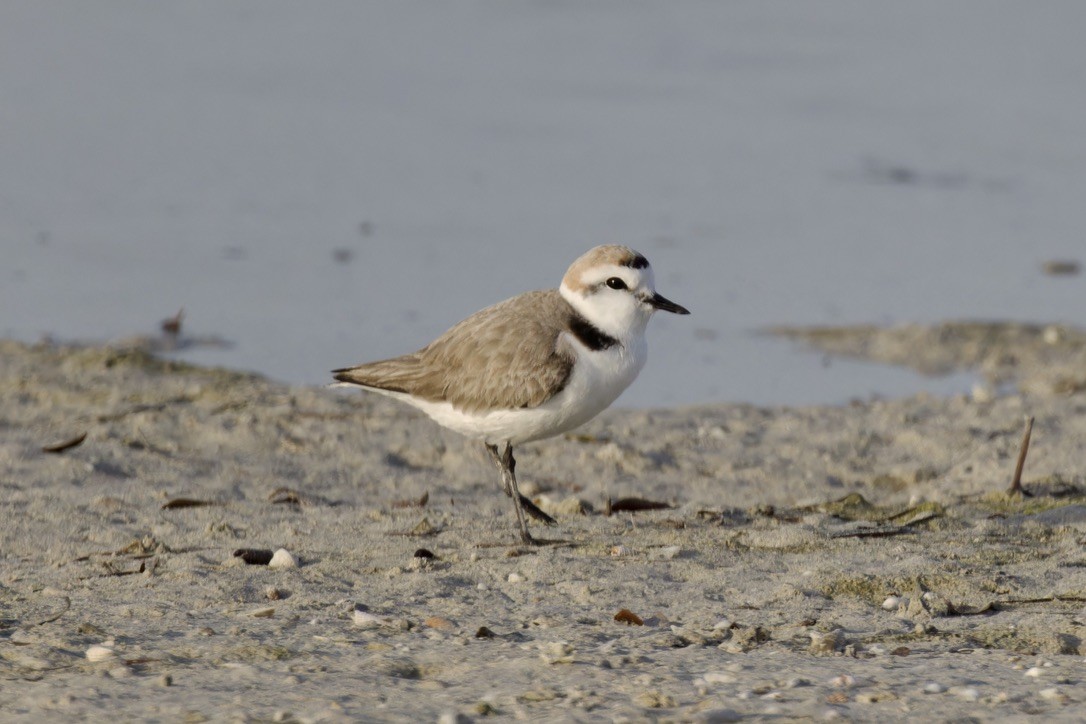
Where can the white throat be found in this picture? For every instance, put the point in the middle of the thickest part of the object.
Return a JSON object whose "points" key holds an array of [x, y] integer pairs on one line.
{"points": [[619, 318]]}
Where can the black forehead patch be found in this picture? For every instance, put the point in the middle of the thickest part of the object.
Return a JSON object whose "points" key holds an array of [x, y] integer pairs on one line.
{"points": [[638, 262]]}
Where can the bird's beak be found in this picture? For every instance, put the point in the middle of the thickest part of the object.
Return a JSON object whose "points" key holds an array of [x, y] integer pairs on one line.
{"points": [[658, 301]]}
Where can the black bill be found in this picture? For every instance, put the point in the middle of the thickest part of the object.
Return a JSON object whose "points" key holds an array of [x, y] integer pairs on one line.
{"points": [[663, 303]]}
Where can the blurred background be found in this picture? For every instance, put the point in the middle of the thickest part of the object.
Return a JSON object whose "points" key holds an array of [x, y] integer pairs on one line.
{"points": [[323, 183]]}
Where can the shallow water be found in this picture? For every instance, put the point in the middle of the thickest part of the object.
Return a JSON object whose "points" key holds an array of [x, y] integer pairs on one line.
{"points": [[324, 184]]}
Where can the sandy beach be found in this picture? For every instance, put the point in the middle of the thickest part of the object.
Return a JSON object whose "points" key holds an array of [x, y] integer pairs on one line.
{"points": [[860, 561]]}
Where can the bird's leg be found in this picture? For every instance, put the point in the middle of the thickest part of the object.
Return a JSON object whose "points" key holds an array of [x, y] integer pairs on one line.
{"points": [[507, 464], [493, 450], [509, 480]]}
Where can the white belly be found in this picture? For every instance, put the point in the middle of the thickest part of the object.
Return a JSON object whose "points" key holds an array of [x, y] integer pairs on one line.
{"points": [[597, 379]]}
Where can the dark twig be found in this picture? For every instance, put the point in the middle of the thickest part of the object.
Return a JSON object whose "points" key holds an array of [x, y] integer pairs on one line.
{"points": [[1016, 483]]}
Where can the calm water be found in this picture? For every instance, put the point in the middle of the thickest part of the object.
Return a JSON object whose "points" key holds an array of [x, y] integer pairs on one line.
{"points": [[327, 183]]}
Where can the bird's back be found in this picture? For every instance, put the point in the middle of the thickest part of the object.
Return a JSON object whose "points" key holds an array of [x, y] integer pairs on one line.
{"points": [[508, 356]]}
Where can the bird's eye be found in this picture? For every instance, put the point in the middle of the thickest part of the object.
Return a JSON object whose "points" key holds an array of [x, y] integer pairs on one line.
{"points": [[616, 283]]}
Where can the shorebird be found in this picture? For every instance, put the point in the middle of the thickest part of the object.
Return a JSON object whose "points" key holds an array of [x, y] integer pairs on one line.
{"points": [[534, 366]]}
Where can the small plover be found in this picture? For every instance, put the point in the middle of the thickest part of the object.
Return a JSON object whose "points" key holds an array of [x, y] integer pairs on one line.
{"points": [[533, 366]]}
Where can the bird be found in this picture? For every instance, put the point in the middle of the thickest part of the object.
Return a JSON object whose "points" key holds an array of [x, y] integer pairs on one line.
{"points": [[533, 366]]}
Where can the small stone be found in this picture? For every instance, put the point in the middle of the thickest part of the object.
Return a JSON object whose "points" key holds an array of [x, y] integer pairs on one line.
{"points": [[165, 680], [365, 619], [439, 623], [620, 551], [892, 603], [263, 613], [1034, 671], [282, 559], [272, 593], [1052, 694], [571, 506], [98, 653], [934, 688], [719, 677], [966, 693], [452, 717], [515, 577], [722, 625]]}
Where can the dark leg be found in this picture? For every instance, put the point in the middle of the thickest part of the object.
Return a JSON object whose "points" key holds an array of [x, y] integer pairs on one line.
{"points": [[507, 464]]}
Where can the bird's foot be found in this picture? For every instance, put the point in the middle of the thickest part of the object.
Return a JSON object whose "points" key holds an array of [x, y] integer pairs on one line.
{"points": [[533, 510]]}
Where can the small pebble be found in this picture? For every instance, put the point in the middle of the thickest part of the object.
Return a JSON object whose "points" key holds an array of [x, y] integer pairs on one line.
{"points": [[272, 593], [619, 551], [263, 613], [892, 603], [966, 693], [934, 688], [165, 680], [99, 653], [282, 559], [365, 619], [515, 577], [1034, 671], [722, 625], [719, 677], [1051, 694], [439, 623]]}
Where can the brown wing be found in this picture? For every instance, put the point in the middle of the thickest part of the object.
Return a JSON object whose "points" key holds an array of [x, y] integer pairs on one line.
{"points": [[510, 355]]}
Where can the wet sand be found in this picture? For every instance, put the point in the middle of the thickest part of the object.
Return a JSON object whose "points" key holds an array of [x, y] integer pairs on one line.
{"points": [[861, 561]]}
